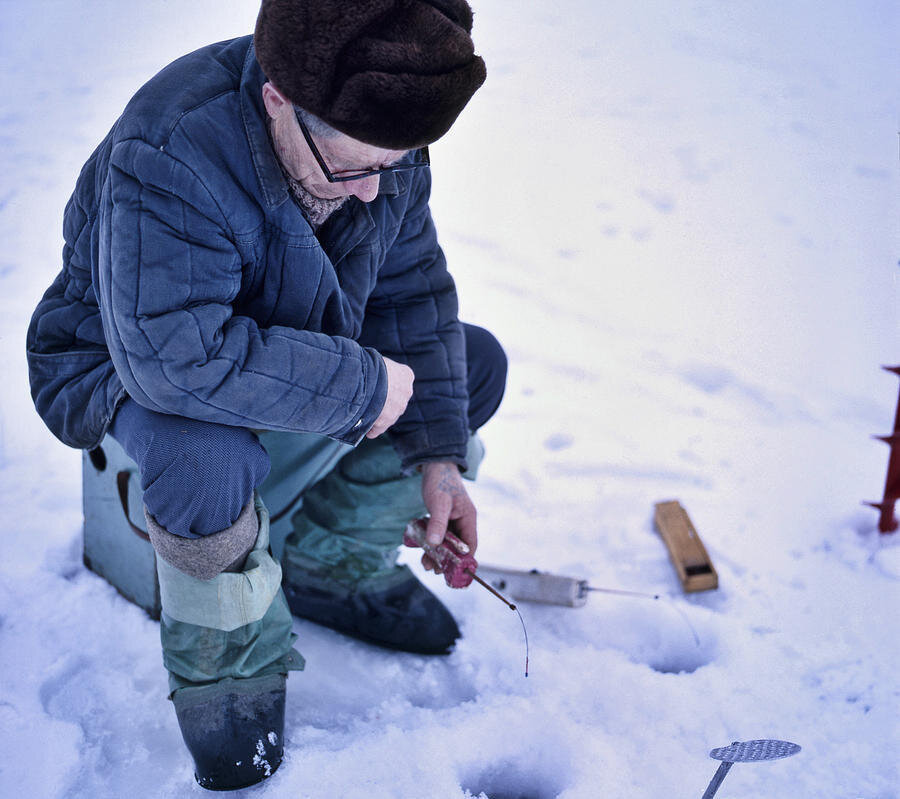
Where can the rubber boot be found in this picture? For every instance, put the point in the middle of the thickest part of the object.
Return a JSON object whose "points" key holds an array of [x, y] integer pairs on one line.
{"points": [[394, 610], [228, 645], [233, 730]]}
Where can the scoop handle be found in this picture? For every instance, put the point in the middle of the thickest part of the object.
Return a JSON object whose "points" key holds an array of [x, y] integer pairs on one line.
{"points": [[455, 567]]}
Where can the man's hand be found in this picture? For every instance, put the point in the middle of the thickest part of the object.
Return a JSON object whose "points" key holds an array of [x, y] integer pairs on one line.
{"points": [[400, 382], [450, 507]]}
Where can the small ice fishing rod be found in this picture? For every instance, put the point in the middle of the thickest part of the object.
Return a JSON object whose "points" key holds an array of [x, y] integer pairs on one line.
{"points": [[555, 589], [458, 567], [548, 589], [457, 564]]}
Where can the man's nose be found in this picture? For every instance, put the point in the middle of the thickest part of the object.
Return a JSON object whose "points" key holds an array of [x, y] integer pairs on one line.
{"points": [[366, 189]]}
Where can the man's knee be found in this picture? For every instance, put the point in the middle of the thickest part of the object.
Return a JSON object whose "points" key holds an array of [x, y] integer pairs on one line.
{"points": [[201, 487], [487, 368], [197, 477]]}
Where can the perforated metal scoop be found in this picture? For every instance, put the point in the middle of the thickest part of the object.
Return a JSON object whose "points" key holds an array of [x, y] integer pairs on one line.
{"points": [[746, 752]]}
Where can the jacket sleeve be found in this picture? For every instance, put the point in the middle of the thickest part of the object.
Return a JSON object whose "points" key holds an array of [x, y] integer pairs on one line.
{"points": [[168, 273], [411, 317]]}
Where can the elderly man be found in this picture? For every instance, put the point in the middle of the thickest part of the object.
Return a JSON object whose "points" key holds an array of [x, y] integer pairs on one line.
{"points": [[253, 303]]}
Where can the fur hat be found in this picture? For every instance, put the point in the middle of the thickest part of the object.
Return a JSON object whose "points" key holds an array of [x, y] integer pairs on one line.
{"points": [[391, 73]]}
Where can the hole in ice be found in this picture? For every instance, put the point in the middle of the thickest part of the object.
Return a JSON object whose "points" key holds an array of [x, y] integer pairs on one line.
{"points": [[680, 661], [668, 637], [510, 780]]}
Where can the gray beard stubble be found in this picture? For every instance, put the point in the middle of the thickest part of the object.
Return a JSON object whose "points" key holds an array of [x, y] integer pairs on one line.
{"points": [[316, 209]]}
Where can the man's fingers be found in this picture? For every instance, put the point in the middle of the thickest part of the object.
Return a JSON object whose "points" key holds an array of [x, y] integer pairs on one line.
{"points": [[467, 529], [400, 380], [437, 525], [430, 565], [460, 546]]}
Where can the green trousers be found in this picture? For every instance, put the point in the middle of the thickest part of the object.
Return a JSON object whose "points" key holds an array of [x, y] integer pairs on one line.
{"points": [[337, 515], [342, 511]]}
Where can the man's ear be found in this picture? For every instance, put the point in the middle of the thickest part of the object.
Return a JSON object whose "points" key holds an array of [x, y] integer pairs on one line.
{"points": [[274, 101]]}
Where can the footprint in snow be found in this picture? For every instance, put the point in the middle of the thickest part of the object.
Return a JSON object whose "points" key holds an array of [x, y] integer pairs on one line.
{"points": [[558, 441]]}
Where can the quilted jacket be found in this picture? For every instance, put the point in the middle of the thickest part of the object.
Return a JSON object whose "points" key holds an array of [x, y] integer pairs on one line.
{"points": [[193, 283]]}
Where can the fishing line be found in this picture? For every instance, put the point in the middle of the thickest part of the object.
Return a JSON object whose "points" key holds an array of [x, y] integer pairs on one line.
{"points": [[526, 637], [642, 595], [509, 604]]}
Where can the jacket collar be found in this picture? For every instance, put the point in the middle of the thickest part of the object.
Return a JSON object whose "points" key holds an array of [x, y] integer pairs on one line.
{"points": [[271, 180]]}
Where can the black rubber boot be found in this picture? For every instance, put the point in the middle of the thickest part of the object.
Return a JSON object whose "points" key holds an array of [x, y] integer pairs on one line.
{"points": [[233, 729], [396, 613]]}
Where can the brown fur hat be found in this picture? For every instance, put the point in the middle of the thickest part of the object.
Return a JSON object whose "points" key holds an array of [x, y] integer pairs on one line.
{"points": [[391, 73]]}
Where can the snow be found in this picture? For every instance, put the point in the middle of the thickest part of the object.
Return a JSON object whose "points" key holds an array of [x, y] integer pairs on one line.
{"points": [[681, 221]]}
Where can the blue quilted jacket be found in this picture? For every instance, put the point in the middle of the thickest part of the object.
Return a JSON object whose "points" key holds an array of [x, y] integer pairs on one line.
{"points": [[193, 283]]}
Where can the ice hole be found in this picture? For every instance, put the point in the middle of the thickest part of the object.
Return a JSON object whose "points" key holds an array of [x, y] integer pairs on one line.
{"points": [[669, 637], [511, 780]]}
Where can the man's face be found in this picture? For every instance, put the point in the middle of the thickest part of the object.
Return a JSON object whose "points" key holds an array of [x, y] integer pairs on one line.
{"points": [[344, 155], [340, 153]]}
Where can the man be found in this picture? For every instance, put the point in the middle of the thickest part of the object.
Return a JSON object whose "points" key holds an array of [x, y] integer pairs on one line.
{"points": [[254, 304]]}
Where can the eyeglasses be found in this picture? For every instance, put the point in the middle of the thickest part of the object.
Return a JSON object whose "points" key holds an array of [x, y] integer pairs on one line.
{"points": [[419, 159]]}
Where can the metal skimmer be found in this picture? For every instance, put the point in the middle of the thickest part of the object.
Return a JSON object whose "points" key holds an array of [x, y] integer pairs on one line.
{"points": [[746, 752]]}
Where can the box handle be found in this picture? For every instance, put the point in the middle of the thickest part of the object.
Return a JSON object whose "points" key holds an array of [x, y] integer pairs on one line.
{"points": [[122, 479]]}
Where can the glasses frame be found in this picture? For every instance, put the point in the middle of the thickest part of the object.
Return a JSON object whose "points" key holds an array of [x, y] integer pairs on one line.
{"points": [[340, 177]]}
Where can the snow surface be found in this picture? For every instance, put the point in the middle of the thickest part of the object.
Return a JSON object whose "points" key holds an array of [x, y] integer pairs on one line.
{"points": [[681, 220]]}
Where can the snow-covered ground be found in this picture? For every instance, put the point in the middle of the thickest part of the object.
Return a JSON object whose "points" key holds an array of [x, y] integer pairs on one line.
{"points": [[681, 218]]}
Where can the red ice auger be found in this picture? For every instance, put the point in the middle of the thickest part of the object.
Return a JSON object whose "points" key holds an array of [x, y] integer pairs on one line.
{"points": [[887, 522]]}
